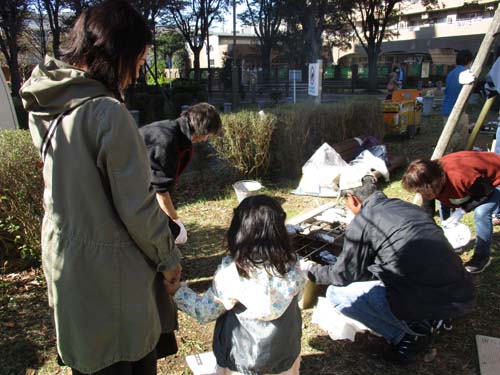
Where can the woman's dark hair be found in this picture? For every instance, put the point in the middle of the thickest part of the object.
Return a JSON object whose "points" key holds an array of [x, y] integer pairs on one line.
{"points": [[464, 57], [108, 40], [203, 119], [257, 236], [425, 177]]}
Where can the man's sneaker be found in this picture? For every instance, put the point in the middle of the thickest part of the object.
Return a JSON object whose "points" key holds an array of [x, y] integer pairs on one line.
{"points": [[477, 263], [404, 352]]}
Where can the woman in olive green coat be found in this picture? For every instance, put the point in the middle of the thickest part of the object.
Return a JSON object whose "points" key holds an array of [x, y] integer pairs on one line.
{"points": [[106, 244]]}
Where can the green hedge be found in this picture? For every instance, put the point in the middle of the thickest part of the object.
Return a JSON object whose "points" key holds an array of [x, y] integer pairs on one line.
{"points": [[21, 188], [274, 144], [279, 143], [245, 141]]}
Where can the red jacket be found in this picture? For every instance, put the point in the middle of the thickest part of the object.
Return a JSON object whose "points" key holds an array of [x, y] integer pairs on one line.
{"points": [[470, 176]]}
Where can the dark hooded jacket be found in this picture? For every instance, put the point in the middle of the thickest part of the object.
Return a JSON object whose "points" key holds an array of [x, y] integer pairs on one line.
{"points": [[398, 243]]}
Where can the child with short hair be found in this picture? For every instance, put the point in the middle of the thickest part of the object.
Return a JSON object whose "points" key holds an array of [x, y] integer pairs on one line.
{"points": [[254, 295]]}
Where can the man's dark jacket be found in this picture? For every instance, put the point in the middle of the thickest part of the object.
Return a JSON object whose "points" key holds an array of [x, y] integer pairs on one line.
{"points": [[402, 246], [170, 149]]}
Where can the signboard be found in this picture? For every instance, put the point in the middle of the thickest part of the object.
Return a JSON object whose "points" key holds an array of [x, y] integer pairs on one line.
{"points": [[295, 75], [425, 69], [314, 77]]}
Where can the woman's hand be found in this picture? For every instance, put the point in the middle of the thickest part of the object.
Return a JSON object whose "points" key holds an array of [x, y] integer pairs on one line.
{"points": [[173, 275], [172, 287]]}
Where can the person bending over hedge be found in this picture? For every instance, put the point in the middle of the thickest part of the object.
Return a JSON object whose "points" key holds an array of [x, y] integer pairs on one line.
{"points": [[170, 149]]}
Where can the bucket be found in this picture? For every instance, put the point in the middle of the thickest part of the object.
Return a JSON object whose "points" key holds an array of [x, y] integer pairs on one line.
{"points": [[427, 108], [245, 188]]}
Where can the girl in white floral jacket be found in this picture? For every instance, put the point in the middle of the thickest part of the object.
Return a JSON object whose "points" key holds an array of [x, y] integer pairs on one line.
{"points": [[254, 295]]}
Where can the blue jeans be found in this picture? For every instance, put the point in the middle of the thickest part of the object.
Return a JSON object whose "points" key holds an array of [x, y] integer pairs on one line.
{"points": [[482, 221], [366, 302]]}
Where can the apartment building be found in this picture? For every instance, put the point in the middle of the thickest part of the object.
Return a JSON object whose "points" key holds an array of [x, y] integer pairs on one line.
{"points": [[221, 45], [430, 34]]}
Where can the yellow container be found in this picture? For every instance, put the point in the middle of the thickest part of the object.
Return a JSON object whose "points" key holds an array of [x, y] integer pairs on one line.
{"points": [[402, 112]]}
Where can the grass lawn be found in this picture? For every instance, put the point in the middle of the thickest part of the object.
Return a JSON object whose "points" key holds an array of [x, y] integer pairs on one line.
{"points": [[27, 338]]}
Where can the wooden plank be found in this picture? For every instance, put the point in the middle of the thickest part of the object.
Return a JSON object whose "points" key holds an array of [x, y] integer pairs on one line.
{"points": [[311, 213], [488, 350]]}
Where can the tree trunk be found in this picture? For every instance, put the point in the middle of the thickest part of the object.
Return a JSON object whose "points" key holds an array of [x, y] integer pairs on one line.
{"points": [[311, 38], [56, 43], [15, 75], [196, 63], [265, 53], [372, 68]]}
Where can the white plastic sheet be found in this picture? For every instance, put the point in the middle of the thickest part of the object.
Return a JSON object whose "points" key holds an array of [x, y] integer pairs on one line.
{"points": [[457, 234], [367, 162], [320, 174]]}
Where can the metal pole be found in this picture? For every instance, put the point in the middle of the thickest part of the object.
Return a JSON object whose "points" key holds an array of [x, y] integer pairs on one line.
{"points": [[209, 80], [317, 99], [154, 53], [234, 68], [294, 88]]}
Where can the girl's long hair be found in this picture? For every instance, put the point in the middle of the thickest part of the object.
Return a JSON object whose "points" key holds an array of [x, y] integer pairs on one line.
{"points": [[108, 40], [257, 237]]}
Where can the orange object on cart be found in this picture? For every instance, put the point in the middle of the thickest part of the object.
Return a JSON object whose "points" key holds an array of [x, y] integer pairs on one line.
{"points": [[403, 113]]}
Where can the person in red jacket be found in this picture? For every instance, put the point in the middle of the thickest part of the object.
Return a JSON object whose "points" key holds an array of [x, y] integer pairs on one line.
{"points": [[468, 180]]}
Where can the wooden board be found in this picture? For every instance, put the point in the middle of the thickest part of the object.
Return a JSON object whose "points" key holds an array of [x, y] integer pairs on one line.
{"points": [[488, 350], [311, 213]]}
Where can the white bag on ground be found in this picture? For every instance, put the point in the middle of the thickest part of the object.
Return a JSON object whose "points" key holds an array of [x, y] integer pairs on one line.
{"points": [[337, 325], [367, 162], [320, 174], [457, 234]]}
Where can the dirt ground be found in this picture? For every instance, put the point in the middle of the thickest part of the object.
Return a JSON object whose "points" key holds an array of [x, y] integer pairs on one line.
{"points": [[27, 344]]}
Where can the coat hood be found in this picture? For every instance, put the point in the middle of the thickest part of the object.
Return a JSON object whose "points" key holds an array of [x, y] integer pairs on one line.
{"points": [[55, 87]]}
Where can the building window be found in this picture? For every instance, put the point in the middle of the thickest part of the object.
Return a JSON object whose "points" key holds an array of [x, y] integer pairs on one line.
{"points": [[212, 62], [211, 48]]}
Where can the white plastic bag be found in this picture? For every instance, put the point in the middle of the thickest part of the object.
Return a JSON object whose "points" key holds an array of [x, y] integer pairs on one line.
{"points": [[367, 162], [321, 172], [457, 234], [338, 326]]}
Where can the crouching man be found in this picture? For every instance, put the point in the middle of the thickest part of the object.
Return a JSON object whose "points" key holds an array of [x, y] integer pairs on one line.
{"points": [[415, 277]]}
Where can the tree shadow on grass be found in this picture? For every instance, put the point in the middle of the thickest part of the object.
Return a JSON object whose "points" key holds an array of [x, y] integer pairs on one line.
{"points": [[202, 254], [27, 338], [18, 354], [364, 356]]}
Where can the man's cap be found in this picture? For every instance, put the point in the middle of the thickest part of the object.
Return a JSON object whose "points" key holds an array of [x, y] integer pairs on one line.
{"points": [[352, 178]]}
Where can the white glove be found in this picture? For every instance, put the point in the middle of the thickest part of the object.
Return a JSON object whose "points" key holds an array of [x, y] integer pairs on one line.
{"points": [[305, 265], [182, 237], [454, 218], [466, 77]]}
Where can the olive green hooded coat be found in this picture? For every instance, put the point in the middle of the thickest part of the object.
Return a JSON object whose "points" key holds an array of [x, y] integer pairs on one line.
{"points": [[104, 238]]}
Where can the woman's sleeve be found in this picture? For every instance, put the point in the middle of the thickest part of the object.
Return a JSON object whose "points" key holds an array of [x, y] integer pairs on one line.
{"points": [[123, 159]]}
